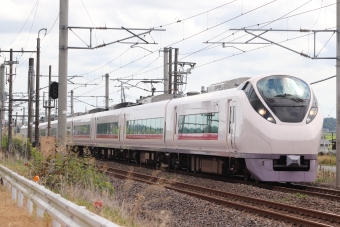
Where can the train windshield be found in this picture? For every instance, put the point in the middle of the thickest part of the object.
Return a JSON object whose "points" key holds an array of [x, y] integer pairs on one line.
{"points": [[288, 97], [283, 86]]}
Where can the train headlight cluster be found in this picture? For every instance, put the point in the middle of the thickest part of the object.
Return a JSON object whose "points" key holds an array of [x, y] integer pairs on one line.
{"points": [[265, 114], [313, 110]]}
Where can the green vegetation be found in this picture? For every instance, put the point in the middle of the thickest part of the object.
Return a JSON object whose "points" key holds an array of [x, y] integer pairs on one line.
{"points": [[300, 195], [329, 123], [76, 179], [328, 136]]}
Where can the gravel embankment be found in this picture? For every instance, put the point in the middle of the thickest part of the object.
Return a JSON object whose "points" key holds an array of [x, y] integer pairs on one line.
{"points": [[156, 206], [301, 200]]}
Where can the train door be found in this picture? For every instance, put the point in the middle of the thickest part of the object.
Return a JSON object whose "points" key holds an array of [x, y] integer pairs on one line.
{"points": [[231, 124]]}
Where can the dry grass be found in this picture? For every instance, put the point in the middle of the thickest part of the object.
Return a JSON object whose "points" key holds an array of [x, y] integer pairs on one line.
{"points": [[327, 159], [76, 180], [12, 215]]}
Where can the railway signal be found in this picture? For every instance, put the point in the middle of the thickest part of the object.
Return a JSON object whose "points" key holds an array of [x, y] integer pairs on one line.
{"points": [[54, 90]]}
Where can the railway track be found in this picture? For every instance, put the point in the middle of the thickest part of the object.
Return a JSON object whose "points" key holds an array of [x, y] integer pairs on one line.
{"points": [[287, 213], [290, 188]]}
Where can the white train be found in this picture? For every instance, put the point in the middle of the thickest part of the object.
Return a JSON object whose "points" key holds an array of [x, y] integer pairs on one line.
{"points": [[269, 127]]}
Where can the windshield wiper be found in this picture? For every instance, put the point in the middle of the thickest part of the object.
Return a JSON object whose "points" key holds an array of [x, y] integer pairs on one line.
{"points": [[269, 99], [294, 98]]}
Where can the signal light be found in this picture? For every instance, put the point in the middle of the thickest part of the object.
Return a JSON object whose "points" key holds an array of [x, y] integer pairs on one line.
{"points": [[54, 90]]}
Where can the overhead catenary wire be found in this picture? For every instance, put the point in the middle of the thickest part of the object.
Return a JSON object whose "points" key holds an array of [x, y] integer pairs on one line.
{"points": [[199, 14], [203, 49], [156, 51], [41, 42], [23, 25], [280, 18], [35, 13], [319, 81]]}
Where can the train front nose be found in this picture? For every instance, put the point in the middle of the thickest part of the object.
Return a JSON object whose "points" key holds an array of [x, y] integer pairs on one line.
{"points": [[294, 134]]}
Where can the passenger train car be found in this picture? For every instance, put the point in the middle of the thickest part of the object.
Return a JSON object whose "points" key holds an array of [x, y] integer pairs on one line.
{"points": [[269, 127]]}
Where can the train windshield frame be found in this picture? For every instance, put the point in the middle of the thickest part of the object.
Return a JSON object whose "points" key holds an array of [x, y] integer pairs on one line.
{"points": [[288, 97], [283, 86]]}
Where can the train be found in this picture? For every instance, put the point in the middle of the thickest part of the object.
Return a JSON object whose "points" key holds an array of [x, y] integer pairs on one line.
{"points": [[268, 128]]}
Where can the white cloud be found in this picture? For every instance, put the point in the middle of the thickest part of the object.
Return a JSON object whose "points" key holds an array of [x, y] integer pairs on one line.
{"points": [[151, 13]]}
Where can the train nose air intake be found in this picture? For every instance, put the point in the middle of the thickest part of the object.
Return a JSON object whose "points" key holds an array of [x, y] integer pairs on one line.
{"points": [[293, 161]]}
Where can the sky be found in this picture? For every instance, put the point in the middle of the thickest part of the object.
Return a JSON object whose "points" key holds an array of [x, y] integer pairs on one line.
{"points": [[189, 25]]}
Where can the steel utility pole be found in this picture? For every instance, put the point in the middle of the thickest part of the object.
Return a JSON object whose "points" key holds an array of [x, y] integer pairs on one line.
{"points": [[63, 59], [37, 90], [49, 102], [30, 101], [2, 89], [106, 91], [166, 70], [72, 102], [337, 65]]}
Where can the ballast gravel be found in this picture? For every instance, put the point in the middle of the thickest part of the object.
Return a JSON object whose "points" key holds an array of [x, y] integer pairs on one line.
{"points": [[157, 206], [296, 199]]}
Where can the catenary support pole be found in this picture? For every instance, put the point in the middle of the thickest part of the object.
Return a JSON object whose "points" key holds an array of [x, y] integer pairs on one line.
{"points": [[62, 72], [170, 71], [9, 144], [2, 89], [338, 95], [72, 102], [37, 94], [106, 91], [23, 117], [166, 70], [49, 102], [175, 70], [30, 101], [16, 123]]}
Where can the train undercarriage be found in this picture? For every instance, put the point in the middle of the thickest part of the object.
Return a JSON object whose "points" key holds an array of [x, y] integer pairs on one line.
{"points": [[226, 166]]}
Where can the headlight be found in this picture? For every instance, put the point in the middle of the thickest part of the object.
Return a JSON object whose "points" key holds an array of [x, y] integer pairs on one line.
{"points": [[313, 110], [262, 111]]}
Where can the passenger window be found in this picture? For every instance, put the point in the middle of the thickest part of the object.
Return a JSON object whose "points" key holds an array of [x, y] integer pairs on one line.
{"points": [[147, 126], [214, 123], [161, 125], [192, 123]]}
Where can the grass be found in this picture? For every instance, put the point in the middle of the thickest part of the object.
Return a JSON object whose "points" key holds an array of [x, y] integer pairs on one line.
{"points": [[75, 179], [300, 195], [329, 160], [328, 136]]}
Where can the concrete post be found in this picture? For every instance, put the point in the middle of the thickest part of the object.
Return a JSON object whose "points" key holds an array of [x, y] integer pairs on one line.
{"points": [[72, 102], [166, 70], [2, 89], [49, 103], [10, 104], [23, 116], [30, 100], [338, 95], [62, 71], [37, 94], [175, 70], [170, 71], [107, 91]]}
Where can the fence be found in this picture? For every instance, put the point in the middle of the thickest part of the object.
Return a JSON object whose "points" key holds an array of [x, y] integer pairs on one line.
{"points": [[62, 211]]}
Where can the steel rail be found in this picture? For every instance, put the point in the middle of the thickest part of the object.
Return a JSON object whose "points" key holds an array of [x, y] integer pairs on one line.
{"points": [[292, 188], [177, 186]]}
